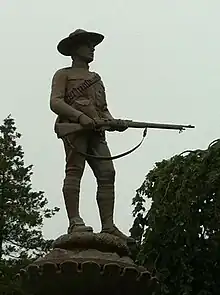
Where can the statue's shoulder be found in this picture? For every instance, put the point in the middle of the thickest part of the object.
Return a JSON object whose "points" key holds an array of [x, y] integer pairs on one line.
{"points": [[62, 72], [97, 77], [95, 74]]}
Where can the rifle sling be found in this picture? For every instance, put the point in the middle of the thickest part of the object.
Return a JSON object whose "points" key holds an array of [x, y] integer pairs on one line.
{"points": [[90, 156]]}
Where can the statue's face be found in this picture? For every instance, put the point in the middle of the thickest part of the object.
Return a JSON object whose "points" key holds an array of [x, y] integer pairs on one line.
{"points": [[85, 51]]}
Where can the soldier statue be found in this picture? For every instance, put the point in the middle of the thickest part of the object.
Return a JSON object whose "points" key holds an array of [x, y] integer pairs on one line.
{"points": [[87, 104]]}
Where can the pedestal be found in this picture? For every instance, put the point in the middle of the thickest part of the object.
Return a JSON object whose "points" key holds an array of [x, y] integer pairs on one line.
{"points": [[87, 263]]}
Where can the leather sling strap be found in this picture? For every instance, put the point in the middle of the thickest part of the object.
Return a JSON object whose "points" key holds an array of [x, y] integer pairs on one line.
{"points": [[98, 157]]}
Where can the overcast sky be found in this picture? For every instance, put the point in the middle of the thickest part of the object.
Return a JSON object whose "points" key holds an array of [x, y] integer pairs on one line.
{"points": [[159, 62]]}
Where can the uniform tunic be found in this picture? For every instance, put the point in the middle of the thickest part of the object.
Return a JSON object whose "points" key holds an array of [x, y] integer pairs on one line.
{"points": [[92, 103]]}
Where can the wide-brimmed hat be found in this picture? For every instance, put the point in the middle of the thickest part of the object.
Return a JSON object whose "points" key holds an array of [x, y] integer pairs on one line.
{"points": [[77, 37]]}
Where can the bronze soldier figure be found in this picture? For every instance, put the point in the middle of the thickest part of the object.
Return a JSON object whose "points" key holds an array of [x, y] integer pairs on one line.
{"points": [[78, 95]]}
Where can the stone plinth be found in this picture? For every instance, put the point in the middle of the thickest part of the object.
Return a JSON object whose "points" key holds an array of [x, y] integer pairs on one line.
{"points": [[87, 263]]}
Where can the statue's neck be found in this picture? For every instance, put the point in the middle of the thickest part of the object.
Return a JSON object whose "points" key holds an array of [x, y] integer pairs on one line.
{"points": [[80, 64]]}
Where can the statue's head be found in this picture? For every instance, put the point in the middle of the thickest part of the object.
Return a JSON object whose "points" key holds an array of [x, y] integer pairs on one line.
{"points": [[84, 51], [80, 44]]}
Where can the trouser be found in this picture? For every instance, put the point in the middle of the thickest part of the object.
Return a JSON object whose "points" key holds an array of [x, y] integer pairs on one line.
{"points": [[89, 142]]}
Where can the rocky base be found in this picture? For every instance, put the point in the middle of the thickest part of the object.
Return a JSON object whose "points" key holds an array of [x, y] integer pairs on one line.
{"points": [[87, 263], [100, 241]]}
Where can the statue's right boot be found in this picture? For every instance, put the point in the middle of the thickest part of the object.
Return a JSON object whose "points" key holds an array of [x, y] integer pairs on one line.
{"points": [[71, 197], [106, 200], [77, 225]]}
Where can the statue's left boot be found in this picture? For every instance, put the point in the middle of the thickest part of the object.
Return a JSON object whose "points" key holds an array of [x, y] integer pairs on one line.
{"points": [[106, 200]]}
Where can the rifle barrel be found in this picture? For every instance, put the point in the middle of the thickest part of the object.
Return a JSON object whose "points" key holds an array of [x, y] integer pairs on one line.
{"points": [[133, 124]]}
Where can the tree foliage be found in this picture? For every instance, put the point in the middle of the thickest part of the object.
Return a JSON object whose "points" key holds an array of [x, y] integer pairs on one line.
{"points": [[180, 235], [22, 210]]}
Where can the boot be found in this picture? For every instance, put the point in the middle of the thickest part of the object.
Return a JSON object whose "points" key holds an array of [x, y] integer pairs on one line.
{"points": [[105, 200], [71, 198], [77, 225]]}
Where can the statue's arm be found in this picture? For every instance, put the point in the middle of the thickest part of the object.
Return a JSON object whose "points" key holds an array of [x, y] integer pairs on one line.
{"points": [[106, 113], [57, 103], [105, 110]]}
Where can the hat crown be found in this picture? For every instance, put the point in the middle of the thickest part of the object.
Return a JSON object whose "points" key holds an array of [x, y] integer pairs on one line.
{"points": [[77, 32]]}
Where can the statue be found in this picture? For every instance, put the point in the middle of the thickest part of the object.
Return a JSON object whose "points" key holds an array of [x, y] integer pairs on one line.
{"points": [[78, 98], [84, 108]]}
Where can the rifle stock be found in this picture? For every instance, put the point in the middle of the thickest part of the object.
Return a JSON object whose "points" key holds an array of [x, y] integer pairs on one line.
{"points": [[63, 129]]}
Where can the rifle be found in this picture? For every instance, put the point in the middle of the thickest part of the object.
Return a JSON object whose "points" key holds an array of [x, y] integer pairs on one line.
{"points": [[63, 129]]}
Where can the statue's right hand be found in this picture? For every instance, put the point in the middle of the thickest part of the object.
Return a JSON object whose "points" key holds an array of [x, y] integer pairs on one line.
{"points": [[86, 122]]}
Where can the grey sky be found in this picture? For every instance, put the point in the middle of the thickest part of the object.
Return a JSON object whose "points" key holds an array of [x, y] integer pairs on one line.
{"points": [[159, 62]]}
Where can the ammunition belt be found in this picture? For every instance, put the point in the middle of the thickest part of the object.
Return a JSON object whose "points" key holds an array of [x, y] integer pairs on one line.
{"points": [[79, 91]]}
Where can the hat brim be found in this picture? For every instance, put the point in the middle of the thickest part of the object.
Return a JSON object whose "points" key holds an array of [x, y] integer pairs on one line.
{"points": [[65, 45]]}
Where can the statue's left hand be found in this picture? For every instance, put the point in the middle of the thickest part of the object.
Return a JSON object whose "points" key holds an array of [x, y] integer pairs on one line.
{"points": [[121, 126]]}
